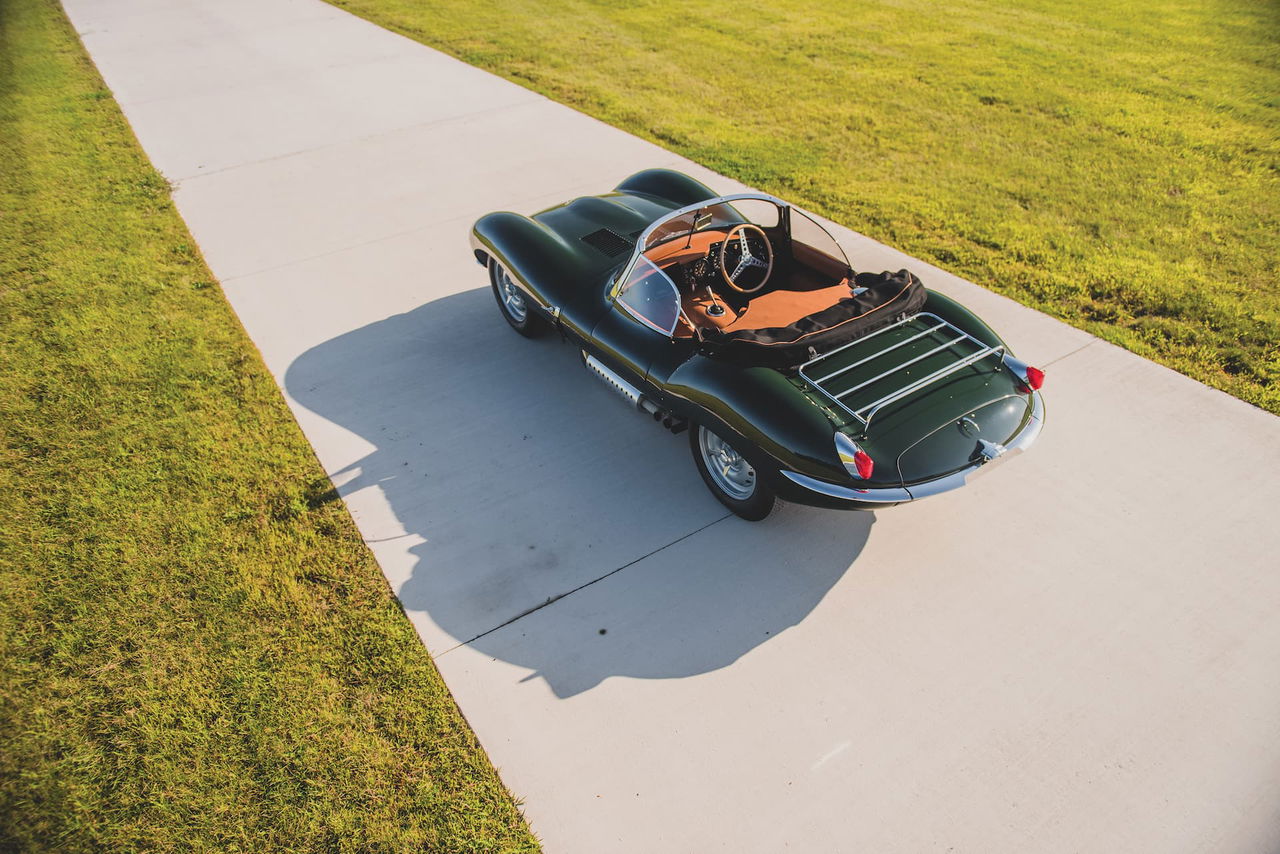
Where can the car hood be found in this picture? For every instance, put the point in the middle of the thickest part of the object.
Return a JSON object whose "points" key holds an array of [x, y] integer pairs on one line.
{"points": [[602, 230]]}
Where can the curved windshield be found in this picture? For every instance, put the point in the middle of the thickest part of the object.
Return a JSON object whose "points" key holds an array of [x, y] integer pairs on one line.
{"points": [[720, 215], [683, 248], [650, 297]]}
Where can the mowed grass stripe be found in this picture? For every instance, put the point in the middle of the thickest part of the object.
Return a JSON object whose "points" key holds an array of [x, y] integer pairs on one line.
{"points": [[198, 651], [1116, 165]]}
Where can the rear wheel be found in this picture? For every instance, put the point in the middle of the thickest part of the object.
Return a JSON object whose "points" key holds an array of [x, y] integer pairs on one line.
{"points": [[514, 303], [729, 476]]}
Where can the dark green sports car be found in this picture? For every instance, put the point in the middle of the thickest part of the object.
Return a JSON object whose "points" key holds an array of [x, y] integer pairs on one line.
{"points": [[740, 319]]}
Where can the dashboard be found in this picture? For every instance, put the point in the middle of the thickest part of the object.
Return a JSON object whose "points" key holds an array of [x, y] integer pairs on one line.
{"points": [[706, 270]]}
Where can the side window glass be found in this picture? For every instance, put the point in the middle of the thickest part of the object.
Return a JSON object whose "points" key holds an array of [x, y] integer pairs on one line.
{"points": [[813, 246], [651, 297]]}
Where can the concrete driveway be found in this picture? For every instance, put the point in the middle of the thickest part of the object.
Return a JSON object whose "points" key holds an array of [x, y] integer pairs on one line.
{"points": [[1079, 652]]}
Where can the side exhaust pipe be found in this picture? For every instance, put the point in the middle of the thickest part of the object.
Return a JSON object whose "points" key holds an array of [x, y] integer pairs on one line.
{"points": [[632, 395], [618, 384]]}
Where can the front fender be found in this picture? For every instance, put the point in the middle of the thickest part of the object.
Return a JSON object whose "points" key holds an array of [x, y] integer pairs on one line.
{"points": [[675, 187], [547, 268]]}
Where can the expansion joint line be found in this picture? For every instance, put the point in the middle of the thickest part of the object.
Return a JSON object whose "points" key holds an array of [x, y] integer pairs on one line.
{"points": [[560, 596]]}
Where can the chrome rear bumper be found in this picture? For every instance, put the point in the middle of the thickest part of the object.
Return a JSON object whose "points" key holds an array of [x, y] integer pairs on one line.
{"points": [[901, 494]]}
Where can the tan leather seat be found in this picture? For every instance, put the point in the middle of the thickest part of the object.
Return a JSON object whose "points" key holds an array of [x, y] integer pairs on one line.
{"points": [[783, 308], [776, 308]]}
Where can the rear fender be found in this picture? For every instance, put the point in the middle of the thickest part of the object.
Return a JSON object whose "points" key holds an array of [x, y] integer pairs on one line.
{"points": [[954, 313], [756, 408]]}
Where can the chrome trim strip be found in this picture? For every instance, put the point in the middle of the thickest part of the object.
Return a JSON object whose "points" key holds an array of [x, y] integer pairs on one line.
{"points": [[1022, 441], [897, 495], [891, 495], [635, 315], [638, 250], [646, 321]]}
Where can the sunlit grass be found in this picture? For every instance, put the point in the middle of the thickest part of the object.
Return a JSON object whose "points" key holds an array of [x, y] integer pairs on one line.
{"points": [[197, 652], [1116, 165]]}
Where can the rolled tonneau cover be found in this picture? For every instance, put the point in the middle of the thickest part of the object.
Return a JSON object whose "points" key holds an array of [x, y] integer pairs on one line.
{"points": [[888, 297]]}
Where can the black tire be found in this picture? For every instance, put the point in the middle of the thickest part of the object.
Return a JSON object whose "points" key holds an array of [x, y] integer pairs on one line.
{"points": [[530, 324], [754, 506]]}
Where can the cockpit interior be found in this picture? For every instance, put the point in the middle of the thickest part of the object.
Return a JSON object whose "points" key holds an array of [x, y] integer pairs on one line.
{"points": [[736, 272]]}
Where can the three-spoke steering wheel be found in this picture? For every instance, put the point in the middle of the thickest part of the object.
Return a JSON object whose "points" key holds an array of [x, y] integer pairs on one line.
{"points": [[739, 277]]}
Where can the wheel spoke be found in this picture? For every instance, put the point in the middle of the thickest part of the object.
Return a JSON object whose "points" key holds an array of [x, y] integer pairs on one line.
{"points": [[509, 294], [731, 473]]}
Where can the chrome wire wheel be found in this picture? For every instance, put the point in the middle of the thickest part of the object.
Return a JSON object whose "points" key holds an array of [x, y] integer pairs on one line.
{"points": [[728, 469], [512, 300]]}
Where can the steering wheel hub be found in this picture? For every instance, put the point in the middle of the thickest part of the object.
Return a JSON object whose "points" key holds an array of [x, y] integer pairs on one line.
{"points": [[743, 269]]}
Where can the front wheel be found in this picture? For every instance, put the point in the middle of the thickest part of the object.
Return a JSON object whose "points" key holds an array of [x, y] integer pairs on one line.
{"points": [[729, 476], [514, 303]]}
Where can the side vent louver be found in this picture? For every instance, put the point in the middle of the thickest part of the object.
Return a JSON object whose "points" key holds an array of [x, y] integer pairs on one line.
{"points": [[609, 242]]}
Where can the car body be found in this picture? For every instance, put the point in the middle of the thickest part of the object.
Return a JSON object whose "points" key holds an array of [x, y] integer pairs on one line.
{"points": [[740, 317]]}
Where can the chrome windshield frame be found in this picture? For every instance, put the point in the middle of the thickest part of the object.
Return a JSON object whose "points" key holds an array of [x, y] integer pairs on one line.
{"points": [[638, 249], [616, 299]]}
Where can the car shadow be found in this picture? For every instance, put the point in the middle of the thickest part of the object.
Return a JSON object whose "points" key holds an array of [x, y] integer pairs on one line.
{"points": [[518, 478]]}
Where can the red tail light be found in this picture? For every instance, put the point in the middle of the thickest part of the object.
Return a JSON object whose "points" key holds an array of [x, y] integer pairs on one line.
{"points": [[865, 464], [1028, 378], [856, 461]]}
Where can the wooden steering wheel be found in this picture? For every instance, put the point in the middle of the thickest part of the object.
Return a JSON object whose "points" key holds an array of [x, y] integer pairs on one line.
{"points": [[746, 261]]}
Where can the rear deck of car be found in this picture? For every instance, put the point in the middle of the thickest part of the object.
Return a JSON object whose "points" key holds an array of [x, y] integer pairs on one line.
{"points": [[874, 376]]}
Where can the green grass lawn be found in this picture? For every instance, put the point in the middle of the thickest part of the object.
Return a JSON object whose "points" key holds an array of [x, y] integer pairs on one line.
{"points": [[1115, 164], [197, 652]]}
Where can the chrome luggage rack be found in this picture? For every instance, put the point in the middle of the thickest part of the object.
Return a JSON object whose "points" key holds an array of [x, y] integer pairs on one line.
{"points": [[937, 328]]}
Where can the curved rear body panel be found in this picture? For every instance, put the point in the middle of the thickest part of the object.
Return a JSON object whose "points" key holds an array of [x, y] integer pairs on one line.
{"points": [[762, 407]]}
